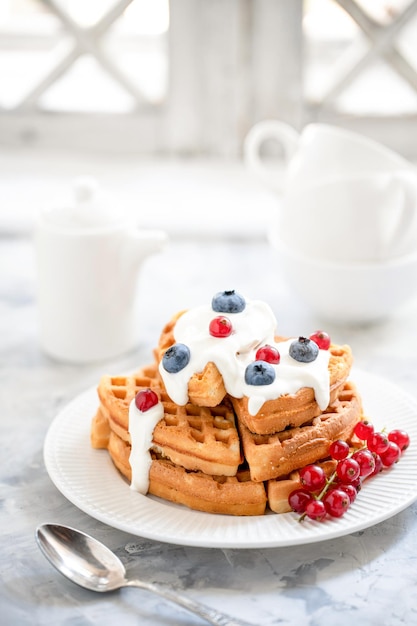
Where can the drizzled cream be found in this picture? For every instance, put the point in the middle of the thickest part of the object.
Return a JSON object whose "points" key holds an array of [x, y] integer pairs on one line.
{"points": [[253, 328], [141, 427]]}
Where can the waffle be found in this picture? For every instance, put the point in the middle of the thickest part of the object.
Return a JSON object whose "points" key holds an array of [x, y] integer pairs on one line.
{"points": [[205, 388], [300, 408], [100, 430], [211, 454], [197, 438], [231, 495], [117, 392], [272, 459], [278, 454]]}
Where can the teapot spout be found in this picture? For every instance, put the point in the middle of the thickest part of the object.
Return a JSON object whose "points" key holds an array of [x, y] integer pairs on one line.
{"points": [[149, 242], [141, 244]]}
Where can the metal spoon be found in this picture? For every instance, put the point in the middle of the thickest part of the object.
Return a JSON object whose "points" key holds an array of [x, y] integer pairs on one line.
{"points": [[90, 564]]}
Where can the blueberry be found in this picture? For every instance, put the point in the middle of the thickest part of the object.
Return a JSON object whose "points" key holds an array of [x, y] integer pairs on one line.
{"points": [[176, 358], [304, 350], [259, 373], [228, 302]]}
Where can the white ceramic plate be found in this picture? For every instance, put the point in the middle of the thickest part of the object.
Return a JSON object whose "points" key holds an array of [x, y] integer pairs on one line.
{"points": [[89, 480]]}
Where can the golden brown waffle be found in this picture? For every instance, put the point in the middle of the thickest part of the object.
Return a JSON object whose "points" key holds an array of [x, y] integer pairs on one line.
{"points": [[241, 494], [300, 408], [100, 430], [166, 339], [277, 455], [198, 438], [116, 393], [197, 449], [230, 495], [205, 388]]}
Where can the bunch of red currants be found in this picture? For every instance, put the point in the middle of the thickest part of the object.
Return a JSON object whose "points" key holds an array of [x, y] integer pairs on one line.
{"points": [[321, 496]]}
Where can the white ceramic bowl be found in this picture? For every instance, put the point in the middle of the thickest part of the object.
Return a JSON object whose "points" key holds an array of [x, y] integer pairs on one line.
{"points": [[355, 293]]}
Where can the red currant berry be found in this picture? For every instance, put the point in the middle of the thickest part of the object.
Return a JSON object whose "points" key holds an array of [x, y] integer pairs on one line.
{"points": [[336, 502], [339, 450], [146, 399], [378, 442], [220, 327], [366, 462], [400, 437], [363, 430], [298, 500], [268, 354], [312, 477], [378, 464], [391, 455], [348, 470], [321, 338], [357, 483], [316, 510], [350, 490]]}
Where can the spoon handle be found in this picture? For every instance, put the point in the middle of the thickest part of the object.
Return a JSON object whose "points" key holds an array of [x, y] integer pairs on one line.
{"points": [[212, 616]]}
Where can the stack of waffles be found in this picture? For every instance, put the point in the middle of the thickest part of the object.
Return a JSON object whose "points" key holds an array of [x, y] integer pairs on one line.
{"points": [[214, 453]]}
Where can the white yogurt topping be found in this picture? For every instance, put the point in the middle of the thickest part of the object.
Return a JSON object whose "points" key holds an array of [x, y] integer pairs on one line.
{"points": [[253, 328], [141, 427]]}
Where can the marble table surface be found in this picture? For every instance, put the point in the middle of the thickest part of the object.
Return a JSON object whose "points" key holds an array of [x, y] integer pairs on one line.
{"points": [[368, 577]]}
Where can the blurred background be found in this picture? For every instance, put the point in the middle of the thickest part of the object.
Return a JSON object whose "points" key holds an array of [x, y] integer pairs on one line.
{"points": [[104, 87]]}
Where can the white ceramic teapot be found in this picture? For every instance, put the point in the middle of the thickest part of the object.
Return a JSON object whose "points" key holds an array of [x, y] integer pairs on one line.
{"points": [[88, 261]]}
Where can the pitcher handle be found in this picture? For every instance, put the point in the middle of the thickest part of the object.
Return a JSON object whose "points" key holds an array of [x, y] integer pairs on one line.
{"points": [[285, 134]]}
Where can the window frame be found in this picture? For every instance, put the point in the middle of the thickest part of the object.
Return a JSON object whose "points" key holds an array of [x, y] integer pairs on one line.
{"points": [[232, 63]]}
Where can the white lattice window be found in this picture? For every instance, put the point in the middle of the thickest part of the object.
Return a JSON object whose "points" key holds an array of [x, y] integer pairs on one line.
{"points": [[83, 55], [75, 70], [360, 67], [191, 76]]}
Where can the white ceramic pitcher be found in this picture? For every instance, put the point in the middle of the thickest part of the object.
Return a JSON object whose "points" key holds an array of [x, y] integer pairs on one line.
{"points": [[88, 261]]}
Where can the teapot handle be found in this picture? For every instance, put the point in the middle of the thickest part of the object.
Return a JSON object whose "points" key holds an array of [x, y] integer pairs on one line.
{"points": [[281, 132]]}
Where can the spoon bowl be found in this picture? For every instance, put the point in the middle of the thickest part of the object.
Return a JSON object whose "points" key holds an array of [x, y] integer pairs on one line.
{"points": [[90, 564], [82, 559]]}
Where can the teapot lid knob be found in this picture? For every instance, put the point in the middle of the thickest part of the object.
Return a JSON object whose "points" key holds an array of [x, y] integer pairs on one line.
{"points": [[89, 207], [86, 210], [85, 189]]}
